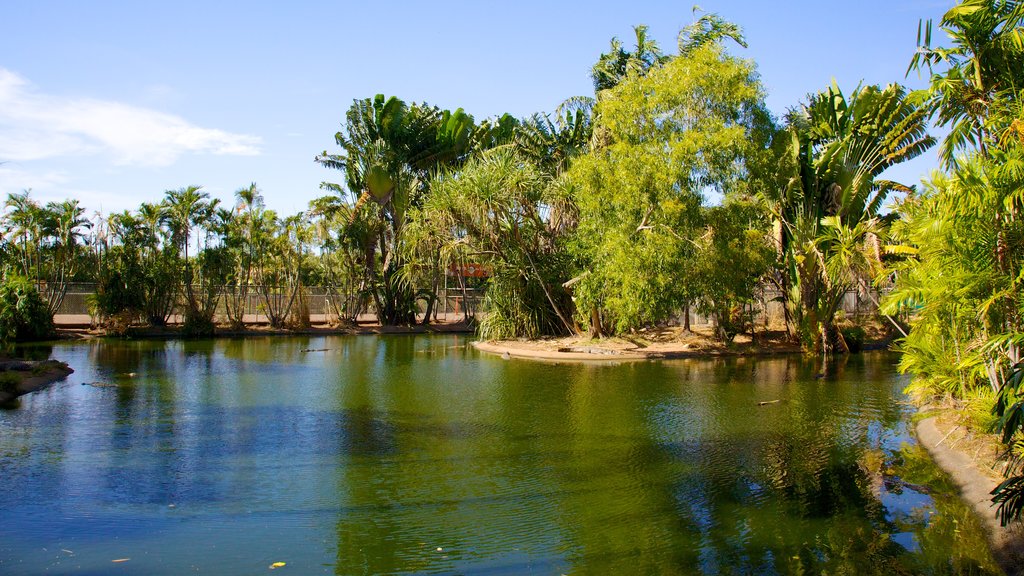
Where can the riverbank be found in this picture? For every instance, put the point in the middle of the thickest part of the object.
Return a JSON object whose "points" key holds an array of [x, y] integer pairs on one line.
{"points": [[19, 377], [655, 344], [973, 461]]}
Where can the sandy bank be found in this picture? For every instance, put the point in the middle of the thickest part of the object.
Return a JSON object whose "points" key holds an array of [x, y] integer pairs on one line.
{"points": [[666, 343]]}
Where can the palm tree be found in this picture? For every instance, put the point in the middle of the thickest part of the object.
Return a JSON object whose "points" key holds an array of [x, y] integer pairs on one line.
{"points": [[708, 29], [616, 64], [984, 65], [65, 223], [832, 156], [185, 210], [389, 151]]}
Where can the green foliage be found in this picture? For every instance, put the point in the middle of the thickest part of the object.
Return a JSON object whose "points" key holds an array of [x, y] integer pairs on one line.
{"points": [[139, 270], [733, 256], [23, 313], [44, 243], [390, 149], [9, 383], [493, 213], [978, 76], [618, 64], [686, 127], [1009, 409], [829, 193], [959, 279], [963, 240], [854, 336]]}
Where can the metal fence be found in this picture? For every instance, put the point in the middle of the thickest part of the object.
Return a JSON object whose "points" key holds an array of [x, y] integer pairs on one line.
{"points": [[322, 303], [452, 304]]}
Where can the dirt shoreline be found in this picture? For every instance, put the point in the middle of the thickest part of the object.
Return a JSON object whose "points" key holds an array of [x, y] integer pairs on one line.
{"points": [[21, 377], [660, 344]]}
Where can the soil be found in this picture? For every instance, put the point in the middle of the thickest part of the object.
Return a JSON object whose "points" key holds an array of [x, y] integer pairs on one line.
{"points": [[18, 377], [659, 343]]}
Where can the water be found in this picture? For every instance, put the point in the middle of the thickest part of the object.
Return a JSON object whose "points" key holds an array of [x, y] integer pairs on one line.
{"points": [[416, 454]]}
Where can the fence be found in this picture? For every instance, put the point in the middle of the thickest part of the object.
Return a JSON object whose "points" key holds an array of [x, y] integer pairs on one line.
{"points": [[323, 304], [452, 305]]}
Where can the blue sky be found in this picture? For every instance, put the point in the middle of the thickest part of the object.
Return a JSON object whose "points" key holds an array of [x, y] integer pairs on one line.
{"points": [[115, 102]]}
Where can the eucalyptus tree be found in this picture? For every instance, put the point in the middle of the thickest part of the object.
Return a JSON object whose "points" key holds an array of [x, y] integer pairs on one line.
{"points": [[688, 126], [832, 155]]}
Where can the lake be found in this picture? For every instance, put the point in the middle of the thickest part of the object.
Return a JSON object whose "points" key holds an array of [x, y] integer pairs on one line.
{"points": [[418, 454]]}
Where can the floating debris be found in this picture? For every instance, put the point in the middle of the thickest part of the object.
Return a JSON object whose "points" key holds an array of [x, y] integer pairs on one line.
{"points": [[99, 384], [767, 402], [119, 560], [277, 565]]}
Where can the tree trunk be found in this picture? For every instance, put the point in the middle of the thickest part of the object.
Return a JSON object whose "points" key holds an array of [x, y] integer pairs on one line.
{"points": [[595, 323]]}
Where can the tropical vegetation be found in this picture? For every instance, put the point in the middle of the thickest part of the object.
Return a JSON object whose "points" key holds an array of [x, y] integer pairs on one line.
{"points": [[670, 188]]}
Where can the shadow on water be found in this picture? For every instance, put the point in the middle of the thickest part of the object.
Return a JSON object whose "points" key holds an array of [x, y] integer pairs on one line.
{"points": [[415, 454]]}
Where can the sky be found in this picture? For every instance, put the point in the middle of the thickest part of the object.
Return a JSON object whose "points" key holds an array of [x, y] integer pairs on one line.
{"points": [[113, 103]]}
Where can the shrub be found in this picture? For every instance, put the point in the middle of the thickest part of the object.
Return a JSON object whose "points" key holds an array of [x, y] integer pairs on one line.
{"points": [[23, 314], [854, 337], [9, 383]]}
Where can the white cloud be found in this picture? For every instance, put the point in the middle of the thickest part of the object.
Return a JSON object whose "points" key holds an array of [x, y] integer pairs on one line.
{"points": [[56, 186], [14, 179], [36, 126]]}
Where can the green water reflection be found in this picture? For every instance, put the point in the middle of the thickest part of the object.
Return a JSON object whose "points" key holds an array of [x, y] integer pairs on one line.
{"points": [[366, 455]]}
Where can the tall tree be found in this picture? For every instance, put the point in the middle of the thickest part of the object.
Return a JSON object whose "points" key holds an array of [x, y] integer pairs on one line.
{"points": [[389, 149], [185, 211], [685, 128], [976, 75], [832, 155]]}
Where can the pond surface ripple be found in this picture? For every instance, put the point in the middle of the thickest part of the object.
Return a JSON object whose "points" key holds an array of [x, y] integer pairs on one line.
{"points": [[416, 454]]}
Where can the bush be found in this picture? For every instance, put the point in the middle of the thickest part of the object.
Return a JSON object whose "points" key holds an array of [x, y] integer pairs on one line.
{"points": [[23, 314], [854, 337], [198, 325], [9, 383]]}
